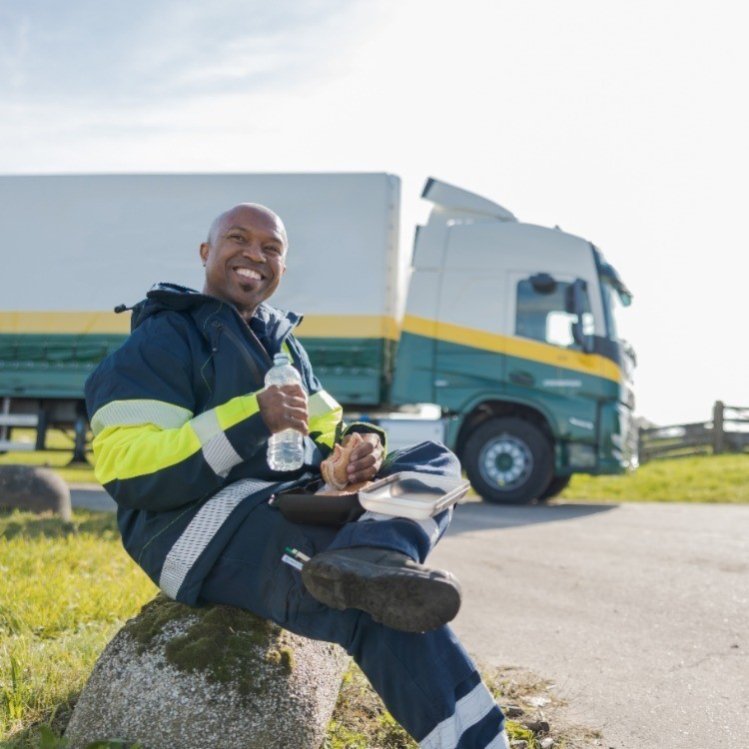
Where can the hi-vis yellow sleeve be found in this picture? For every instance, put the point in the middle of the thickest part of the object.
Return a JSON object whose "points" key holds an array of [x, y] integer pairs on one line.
{"points": [[140, 437], [325, 418]]}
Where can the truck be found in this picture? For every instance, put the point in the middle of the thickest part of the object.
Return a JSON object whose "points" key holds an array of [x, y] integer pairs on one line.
{"points": [[495, 336]]}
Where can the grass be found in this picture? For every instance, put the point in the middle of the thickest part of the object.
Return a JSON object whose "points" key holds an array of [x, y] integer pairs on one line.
{"points": [[67, 588], [56, 458], [707, 478]]}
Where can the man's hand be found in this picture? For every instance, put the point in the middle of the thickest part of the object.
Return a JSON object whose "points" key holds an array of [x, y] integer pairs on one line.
{"points": [[366, 458], [284, 407]]}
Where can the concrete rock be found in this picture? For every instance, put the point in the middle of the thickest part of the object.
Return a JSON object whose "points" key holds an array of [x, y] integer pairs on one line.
{"points": [[34, 489], [176, 676]]}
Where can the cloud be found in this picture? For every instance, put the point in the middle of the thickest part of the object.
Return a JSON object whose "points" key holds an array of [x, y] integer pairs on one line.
{"points": [[120, 54]]}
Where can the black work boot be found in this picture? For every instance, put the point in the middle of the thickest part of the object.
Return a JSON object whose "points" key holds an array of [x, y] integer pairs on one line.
{"points": [[391, 587]]}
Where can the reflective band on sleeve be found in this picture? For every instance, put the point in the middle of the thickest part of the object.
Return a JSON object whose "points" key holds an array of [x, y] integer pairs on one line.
{"points": [[220, 455], [141, 411], [206, 426], [469, 710], [321, 404], [217, 450], [201, 530]]}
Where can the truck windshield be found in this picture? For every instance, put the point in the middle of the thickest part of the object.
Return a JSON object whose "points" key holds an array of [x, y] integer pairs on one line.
{"points": [[615, 294], [611, 308]]}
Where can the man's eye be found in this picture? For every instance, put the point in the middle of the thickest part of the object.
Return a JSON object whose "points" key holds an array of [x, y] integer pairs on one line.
{"points": [[272, 249], [237, 237]]}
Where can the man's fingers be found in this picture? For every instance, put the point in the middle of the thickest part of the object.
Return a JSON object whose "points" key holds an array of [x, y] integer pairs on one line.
{"points": [[294, 391], [296, 418], [284, 408], [364, 469], [362, 463]]}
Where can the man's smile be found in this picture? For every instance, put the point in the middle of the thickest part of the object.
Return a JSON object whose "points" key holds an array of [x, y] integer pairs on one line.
{"points": [[249, 273]]}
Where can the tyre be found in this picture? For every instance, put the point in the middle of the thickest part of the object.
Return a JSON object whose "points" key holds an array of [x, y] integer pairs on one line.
{"points": [[557, 486], [508, 460]]}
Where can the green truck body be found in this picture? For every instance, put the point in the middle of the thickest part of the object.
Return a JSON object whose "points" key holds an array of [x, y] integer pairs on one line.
{"points": [[495, 336]]}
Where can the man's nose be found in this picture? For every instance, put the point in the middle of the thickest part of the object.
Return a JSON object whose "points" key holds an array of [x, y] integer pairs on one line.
{"points": [[254, 251]]}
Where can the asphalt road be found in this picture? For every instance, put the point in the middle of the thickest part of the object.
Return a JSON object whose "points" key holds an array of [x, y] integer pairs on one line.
{"points": [[639, 613]]}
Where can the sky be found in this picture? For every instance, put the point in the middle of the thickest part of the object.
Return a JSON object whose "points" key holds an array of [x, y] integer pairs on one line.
{"points": [[624, 123]]}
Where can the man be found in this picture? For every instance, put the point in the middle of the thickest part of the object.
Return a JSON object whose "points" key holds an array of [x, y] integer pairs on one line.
{"points": [[181, 421]]}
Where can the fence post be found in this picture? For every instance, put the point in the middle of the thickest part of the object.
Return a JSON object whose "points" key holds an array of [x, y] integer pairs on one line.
{"points": [[718, 443]]}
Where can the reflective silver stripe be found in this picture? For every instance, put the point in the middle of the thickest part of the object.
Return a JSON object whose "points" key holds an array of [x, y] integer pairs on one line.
{"points": [[321, 403], [206, 426], [429, 525], [369, 515], [217, 450], [202, 528], [469, 710], [137, 411], [220, 455], [501, 742]]}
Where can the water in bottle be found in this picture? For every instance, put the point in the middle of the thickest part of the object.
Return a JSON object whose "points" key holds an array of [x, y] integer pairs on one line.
{"points": [[286, 448]]}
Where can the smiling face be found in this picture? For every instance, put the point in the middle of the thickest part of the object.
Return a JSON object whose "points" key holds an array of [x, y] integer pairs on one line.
{"points": [[244, 257]]}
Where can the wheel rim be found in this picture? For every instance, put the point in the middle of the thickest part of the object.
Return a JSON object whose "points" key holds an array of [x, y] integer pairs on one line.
{"points": [[506, 462]]}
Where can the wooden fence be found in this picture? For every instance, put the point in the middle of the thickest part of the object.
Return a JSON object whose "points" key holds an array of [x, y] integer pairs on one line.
{"points": [[728, 432]]}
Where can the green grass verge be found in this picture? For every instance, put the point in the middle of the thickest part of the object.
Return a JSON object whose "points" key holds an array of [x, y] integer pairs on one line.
{"points": [[65, 590], [708, 478], [56, 458]]}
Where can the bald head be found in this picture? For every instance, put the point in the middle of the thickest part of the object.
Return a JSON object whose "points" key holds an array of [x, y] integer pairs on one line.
{"points": [[226, 219]]}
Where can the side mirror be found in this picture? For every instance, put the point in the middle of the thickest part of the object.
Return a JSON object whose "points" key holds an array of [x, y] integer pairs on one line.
{"points": [[543, 283], [577, 302]]}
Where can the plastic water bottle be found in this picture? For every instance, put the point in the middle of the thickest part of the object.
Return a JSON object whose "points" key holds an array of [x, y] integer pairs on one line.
{"points": [[285, 448]]}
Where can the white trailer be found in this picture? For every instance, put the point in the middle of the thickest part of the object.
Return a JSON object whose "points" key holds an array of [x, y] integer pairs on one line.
{"points": [[505, 329]]}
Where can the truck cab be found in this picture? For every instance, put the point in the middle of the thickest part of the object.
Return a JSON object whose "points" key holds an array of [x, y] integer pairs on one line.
{"points": [[510, 328]]}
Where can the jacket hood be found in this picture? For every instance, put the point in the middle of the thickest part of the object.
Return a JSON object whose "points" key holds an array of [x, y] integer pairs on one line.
{"points": [[171, 296]]}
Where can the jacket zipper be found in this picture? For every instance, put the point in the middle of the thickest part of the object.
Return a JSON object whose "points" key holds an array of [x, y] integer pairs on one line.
{"points": [[246, 355]]}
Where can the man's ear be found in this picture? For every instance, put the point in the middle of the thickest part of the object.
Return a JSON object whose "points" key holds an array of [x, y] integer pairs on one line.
{"points": [[204, 248]]}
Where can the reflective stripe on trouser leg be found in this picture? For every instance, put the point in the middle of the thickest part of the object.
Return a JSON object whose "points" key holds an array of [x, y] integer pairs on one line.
{"points": [[501, 742], [421, 677], [430, 526], [201, 530], [410, 537], [470, 710]]}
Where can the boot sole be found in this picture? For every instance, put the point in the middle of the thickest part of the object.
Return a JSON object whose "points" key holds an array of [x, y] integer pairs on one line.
{"points": [[406, 600]]}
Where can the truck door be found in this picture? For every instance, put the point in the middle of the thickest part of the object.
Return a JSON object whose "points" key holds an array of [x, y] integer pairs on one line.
{"points": [[472, 318], [544, 364]]}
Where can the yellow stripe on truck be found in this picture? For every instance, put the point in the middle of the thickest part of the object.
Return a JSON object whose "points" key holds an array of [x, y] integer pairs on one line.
{"points": [[64, 323], [78, 323], [348, 326], [544, 353]]}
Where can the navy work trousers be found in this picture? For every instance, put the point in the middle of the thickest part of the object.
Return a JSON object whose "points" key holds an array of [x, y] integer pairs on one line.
{"points": [[426, 680]]}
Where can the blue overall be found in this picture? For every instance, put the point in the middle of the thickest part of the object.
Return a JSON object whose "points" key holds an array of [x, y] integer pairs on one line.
{"points": [[180, 444], [427, 681]]}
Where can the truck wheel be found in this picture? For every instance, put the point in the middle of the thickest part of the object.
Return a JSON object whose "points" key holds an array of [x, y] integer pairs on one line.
{"points": [[557, 486], [508, 460]]}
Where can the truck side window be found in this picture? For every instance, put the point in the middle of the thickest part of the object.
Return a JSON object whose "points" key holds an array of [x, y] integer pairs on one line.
{"points": [[543, 316]]}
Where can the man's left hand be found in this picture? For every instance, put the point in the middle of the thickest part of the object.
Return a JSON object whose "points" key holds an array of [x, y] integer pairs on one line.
{"points": [[366, 458]]}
